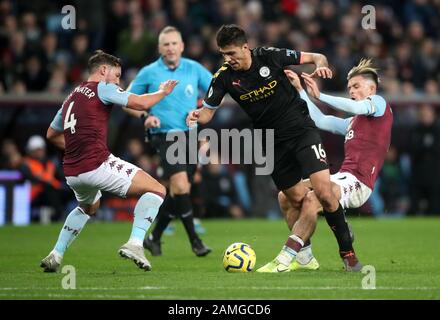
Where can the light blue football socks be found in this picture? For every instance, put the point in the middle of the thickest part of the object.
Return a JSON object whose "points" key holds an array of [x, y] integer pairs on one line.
{"points": [[73, 225], [144, 214]]}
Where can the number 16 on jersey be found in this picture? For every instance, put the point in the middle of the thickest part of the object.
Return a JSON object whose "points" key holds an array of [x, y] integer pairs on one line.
{"points": [[70, 121], [319, 151]]}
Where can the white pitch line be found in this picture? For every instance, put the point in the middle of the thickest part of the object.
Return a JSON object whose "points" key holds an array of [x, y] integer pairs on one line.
{"points": [[225, 288], [338, 288], [98, 296], [56, 295], [86, 288]]}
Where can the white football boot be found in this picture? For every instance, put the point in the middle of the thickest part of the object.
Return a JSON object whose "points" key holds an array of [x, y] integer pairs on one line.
{"points": [[135, 253], [52, 262]]}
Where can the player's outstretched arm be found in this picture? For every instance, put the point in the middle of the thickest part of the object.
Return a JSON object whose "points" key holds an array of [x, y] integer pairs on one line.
{"points": [[374, 105], [320, 61], [56, 138], [324, 122], [148, 100], [201, 116]]}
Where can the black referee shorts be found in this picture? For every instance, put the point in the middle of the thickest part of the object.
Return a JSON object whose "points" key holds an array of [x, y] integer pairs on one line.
{"points": [[159, 142], [294, 161]]}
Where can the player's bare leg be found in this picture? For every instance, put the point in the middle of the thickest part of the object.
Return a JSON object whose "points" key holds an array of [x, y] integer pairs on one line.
{"points": [[290, 213], [322, 187], [296, 195], [73, 225], [306, 223], [304, 259], [142, 183], [301, 231], [151, 194]]}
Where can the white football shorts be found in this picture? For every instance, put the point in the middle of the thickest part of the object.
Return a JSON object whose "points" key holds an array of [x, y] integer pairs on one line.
{"points": [[353, 192], [114, 175]]}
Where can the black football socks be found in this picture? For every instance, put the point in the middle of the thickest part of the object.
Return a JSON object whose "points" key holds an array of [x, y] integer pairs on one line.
{"points": [[164, 218], [183, 209], [338, 224]]}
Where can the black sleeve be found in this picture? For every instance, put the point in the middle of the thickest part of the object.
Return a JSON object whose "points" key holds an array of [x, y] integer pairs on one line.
{"points": [[281, 57], [216, 91]]}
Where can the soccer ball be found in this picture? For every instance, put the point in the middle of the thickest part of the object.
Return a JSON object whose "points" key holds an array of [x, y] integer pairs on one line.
{"points": [[239, 257]]}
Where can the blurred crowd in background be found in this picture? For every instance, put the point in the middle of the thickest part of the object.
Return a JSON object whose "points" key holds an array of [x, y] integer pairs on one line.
{"points": [[38, 55]]}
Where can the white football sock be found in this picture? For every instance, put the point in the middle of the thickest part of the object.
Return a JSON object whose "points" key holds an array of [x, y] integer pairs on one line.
{"points": [[305, 255], [287, 254]]}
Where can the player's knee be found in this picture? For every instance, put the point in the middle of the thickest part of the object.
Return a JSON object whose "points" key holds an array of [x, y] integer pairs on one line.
{"points": [[311, 205], [163, 190], [296, 197], [149, 185], [283, 201], [91, 209], [322, 190], [282, 197], [157, 188], [180, 186], [325, 195]]}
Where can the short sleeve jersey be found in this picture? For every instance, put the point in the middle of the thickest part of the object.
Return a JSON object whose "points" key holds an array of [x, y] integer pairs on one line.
{"points": [[264, 93], [84, 119], [367, 142], [174, 108]]}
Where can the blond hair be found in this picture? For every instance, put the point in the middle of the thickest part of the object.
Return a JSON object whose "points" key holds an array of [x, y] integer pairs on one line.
{"points": [[365, 68]]}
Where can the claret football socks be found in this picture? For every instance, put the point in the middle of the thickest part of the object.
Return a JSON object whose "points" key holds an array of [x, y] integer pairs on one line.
{"points": [[284, 259]]}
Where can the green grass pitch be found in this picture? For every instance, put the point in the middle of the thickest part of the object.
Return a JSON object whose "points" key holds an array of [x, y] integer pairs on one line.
{"points": [[405, 254]]}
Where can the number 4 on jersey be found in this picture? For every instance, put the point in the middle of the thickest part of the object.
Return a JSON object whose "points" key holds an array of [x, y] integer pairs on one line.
{"points": [[70, 121]]}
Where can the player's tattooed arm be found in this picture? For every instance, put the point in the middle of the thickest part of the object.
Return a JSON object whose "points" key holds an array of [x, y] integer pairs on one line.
{"points": [[56, 138], [320, 61]]}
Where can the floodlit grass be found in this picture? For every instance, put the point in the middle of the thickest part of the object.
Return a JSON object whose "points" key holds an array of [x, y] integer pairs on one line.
{"points": [[405, 254]]}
